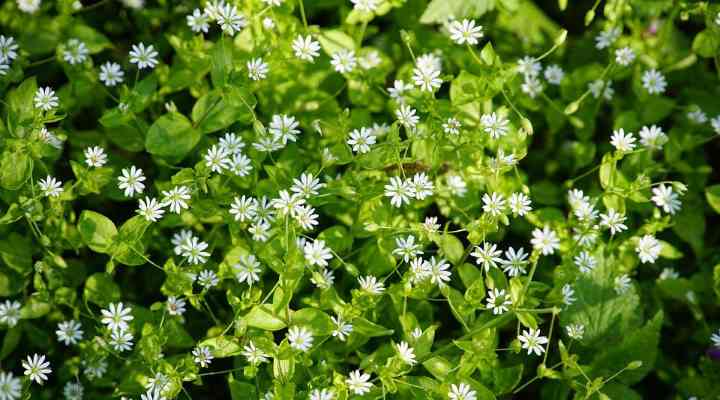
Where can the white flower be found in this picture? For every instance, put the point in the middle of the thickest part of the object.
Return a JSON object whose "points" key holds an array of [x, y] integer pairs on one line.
{"points": [[257, 69], [519, 204], [531, 86], [45, 99], [568, 294], [69, 332], [240, 165], [95, 369], [306, 48], [554, 74], [456, 185], [179, 238], [545, 240], [229, 19], [607, 37], [406, 116], [365, 5], [152, 394], [624, 56], [648, 249], [29, 6], [283, 127], [399, 191], [322, 394], [177, 198], [406, 353], [71, 391], [529, 67], [121, 340], [273, 3], [116, 316], [697, 116], [715, 337], [488, 255], [259, 230], [4, 69], [462, 391], [623, 142], [361, 140], [10, 313], [585, 262], [247, 270], [50, 187], [622, 284], [452, 126], [36, 368], [532, 340], [498, 301], [398, 90], [175, 305], [370, 60], [131, 181], [668, 273], [439, 273], [232, 143], [243, 208], [95, 156], [144, 57], [653, 137], [151, 209], [194, 250], [76, 52], [134, 4], [300, 338], [198, 21], [421, 186], [515, 262], [614, 221], [288, 204], [494, 125], [371, 285], [307, 186], [600, 87], [665, 198], [342, 328], [575, 331], [202, 356], [493, 204], [208, 279], [343, 61], [465, 31], [49, 138], [427, 79], [324, 278], [715, 122], [8, 49], [306, 217], [357, 382], [653, 81], [407, 248], [217, 159]]}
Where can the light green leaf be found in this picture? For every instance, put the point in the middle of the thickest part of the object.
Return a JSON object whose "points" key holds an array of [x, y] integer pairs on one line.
{"points": [[172, 135], [96, 230]]}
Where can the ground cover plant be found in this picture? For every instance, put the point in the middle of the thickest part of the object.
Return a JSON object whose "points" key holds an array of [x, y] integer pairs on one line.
{"points": [[359, 199]]}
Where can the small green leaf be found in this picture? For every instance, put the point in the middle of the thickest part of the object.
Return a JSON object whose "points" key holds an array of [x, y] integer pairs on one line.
{"points": [[222, 346], [96, 230], [172, 136], [101, 289], [261, 317], [15, 169]]}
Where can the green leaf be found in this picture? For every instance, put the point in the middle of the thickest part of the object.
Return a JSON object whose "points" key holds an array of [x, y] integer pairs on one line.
{"points": [[333, 41], [261, 317], [219, 109], [16, 252], [707, 43], [15, 169], [128, 246], [317, 321], [438, 11], [712, 194], [173, 136], [101, 289], [97, 231], [451, 247], [241, 390], [222, 346]]}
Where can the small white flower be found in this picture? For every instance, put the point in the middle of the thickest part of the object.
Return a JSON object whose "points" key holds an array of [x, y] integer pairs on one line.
{"points": [[240, 165], [622, 284], [8, 49], [493, 204], [72, 391], [306, 48], [273, 3], [202, 356], [36, 368], [29, 6], [531, 86], [665, 198], [419, 270], [427, 79], [76, 52], [121, 340], [488, 255], [554, 74], [421, 186], [407, 116], [697, 116], [519, 204], [229, 19], [208, 279], [324, 278], [624, 56], [585, 262], [175, 306], [465, 31], [300, 338], [217, 159], [69, 332], [614, 221], [648, 249], [307, 186], [10, 313], [515, 262], [131, 181], [407, 248], [545, 240], [371, 285], [715, 122], [259, 230], [45, 99], [399, 191], [116, 316], [367, 6], [462, 391], [283, 127], [532, 340], [653, 81], [198, 21], [232, 143], [144, 57], [439, 271], [668, 273], [370, 60], [568, 294], [153, 394], [248, 269], [602, 88], [652, 137], [494, 125], [151, 209], [456, 185], [398, 90], [715, 337], [257, 69], [50, 187], [194, 250], [95, 156], [358, 383], [95, 369], [406, 353], [452, 126], [342, 328], [243, 208], [607, 37], [343, 61], [575, 331], [322, 394], [529, 67], [623, 142], [498, 301], [361, 140], [179, 238], [176, 198]]}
